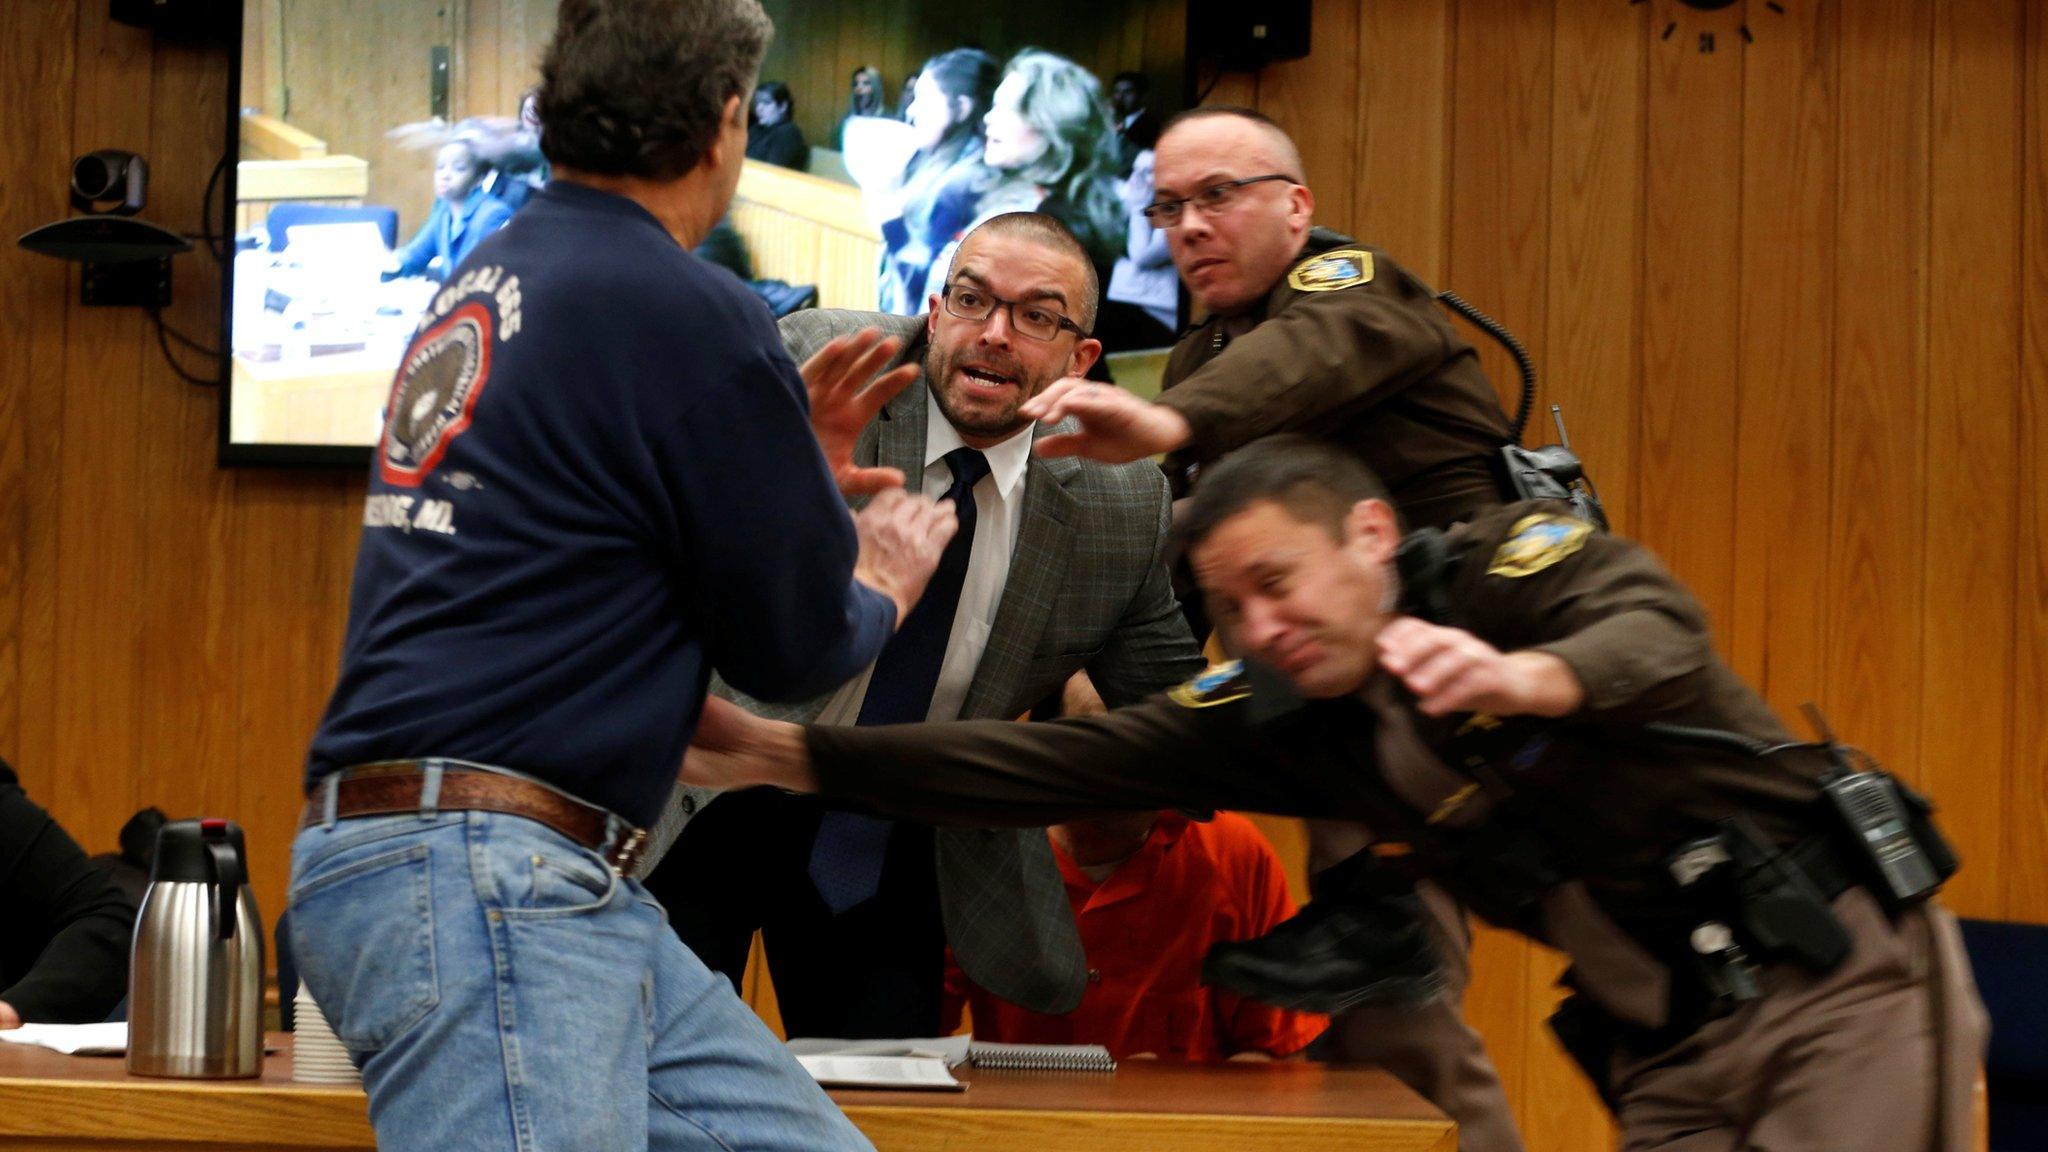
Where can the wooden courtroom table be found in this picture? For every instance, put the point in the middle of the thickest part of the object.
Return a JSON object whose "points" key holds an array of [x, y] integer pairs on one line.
{"points": [[50, 1101]]}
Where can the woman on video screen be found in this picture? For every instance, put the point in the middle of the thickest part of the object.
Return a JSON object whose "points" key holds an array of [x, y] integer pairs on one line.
{"points": [[864, 97], [1049, 148], [1048, 135], [941, 184]]}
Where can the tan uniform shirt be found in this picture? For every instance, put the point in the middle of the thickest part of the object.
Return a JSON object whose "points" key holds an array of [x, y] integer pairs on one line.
{"points": [[1877, 1055], [1530, 579], [1350, 348]]}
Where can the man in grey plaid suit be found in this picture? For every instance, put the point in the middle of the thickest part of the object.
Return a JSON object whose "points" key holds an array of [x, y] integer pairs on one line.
{"points": [[1059, 570]]}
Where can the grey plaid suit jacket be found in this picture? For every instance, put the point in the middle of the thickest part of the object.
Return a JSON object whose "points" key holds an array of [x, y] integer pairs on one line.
{"points": [[1088, 588]]}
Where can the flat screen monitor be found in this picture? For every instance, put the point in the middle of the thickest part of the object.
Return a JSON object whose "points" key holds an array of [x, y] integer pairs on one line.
{"points": [[381, 139]]}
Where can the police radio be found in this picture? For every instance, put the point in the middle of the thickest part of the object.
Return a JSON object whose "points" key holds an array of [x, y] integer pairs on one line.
{"points": [[1885, 826], [1552, 472], [1880, 829]]}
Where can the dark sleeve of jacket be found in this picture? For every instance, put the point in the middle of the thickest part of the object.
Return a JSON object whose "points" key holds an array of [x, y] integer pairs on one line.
{"points": [[1153, 754], [1633, 635], [1322, 358], [68, 924], [783, 145], [1151, 649], [770, 550]]}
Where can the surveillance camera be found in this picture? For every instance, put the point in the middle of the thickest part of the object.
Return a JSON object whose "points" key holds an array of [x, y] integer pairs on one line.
{"points": [[106, 185], [110, 177]]}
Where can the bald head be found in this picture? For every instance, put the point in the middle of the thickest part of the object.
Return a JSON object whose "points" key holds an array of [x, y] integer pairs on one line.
{"points": [[1267, 141], [1232, 246], [1046, 232]]}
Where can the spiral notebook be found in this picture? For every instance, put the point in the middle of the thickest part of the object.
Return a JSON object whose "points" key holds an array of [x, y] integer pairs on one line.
{"points": [[1041, 1057]]}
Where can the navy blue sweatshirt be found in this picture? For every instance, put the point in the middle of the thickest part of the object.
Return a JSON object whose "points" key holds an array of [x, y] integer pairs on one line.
{"points": [[596, 483]]}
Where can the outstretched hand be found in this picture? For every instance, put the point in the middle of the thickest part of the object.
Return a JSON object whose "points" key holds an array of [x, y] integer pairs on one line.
{"points": [[1450, 670], [1116, 426], [848, 388], [734, 749], [902, 538]]}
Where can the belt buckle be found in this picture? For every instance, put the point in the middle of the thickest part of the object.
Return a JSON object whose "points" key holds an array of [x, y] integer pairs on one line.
{"points": [[627, 853]]}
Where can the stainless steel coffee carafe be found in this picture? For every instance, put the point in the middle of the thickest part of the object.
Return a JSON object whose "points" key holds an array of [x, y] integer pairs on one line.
{"points": [[195, 986]]}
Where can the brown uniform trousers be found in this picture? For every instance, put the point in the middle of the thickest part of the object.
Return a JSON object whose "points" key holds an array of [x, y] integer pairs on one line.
{"points": [[1375, 366], [1430, 1049], [1878, 1054]]}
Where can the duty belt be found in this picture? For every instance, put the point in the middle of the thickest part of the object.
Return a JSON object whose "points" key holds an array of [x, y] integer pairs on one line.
{"points": [[396, 787]]}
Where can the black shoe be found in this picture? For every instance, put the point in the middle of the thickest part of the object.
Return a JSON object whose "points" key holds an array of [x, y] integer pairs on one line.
{"points": [[1342, 950]]}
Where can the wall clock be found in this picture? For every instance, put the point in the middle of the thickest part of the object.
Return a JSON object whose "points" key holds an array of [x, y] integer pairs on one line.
{"points": [[1708, 39]]}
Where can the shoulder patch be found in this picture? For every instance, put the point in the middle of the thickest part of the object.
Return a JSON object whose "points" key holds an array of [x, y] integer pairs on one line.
{"points": [[1536, 542], [1220, 684], [1337, 268]]}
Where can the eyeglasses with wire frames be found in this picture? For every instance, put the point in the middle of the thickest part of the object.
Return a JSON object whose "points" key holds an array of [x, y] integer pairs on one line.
{"points": [[1211, 200], [1029, 317]]}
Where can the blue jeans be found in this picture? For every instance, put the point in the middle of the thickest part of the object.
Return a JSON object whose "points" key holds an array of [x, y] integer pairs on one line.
{"points": [[501, 988]]}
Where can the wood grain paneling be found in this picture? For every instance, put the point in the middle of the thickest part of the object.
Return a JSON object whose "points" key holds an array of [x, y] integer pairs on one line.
{"points": [[1877, 523], [1328, 78], [1971, 490], [98, 604], [1786, 362], [1794, 294], [183, 503], [2025, 847], [1685, 466], [37, 59], [1401, 189], [1594, 343]]}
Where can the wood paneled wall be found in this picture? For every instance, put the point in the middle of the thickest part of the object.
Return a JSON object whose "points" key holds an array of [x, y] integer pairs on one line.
{"points": [[1793, 295], [168, 630]]}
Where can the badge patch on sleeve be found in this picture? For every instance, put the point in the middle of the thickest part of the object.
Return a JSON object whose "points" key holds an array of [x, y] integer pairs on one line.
{"points": [[1537, 542], [1221, 684], [1337, 268]]}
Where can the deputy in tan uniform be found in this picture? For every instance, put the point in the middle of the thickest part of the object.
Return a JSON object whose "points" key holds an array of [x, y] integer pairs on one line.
{"points": [[1511, 751], [1306, 331], [1310, 331]]}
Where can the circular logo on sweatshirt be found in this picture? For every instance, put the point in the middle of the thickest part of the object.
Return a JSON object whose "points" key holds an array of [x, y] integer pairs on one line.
{"points": [[434, 394]]}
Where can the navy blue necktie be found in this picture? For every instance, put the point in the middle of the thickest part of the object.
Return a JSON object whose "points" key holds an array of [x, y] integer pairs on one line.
{"points": [[846, 858]]}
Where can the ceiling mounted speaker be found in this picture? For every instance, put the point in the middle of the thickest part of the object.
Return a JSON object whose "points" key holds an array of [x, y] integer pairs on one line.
{"points": [[1248, 37], [176, 18]]}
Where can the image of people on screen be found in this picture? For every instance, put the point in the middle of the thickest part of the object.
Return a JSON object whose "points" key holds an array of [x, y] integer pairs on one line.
{"points": [[865, 97], [923, 178], [772, 135], [1053, 148], [464, 213], [979, 139]]}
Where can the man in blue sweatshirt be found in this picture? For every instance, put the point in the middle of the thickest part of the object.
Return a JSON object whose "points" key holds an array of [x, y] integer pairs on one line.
{"points": [[597, 482]]}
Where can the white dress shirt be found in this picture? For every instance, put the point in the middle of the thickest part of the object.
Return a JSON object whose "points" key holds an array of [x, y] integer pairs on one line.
{"points": [[998, 502]]}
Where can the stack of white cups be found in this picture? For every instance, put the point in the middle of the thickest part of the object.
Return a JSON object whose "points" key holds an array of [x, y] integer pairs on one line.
{"points": [[317, 1054]]}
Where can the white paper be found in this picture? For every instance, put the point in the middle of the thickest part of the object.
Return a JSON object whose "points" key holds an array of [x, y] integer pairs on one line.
{"points": [[924, 1072], [951, 1049], [73, 1039]]}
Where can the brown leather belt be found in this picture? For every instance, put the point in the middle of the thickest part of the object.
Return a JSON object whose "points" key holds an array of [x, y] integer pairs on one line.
{"points": [[395, 787]]}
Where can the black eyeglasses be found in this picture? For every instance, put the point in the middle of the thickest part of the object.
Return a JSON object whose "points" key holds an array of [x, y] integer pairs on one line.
{"points": [[1211, 200], [1028, 317]]}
